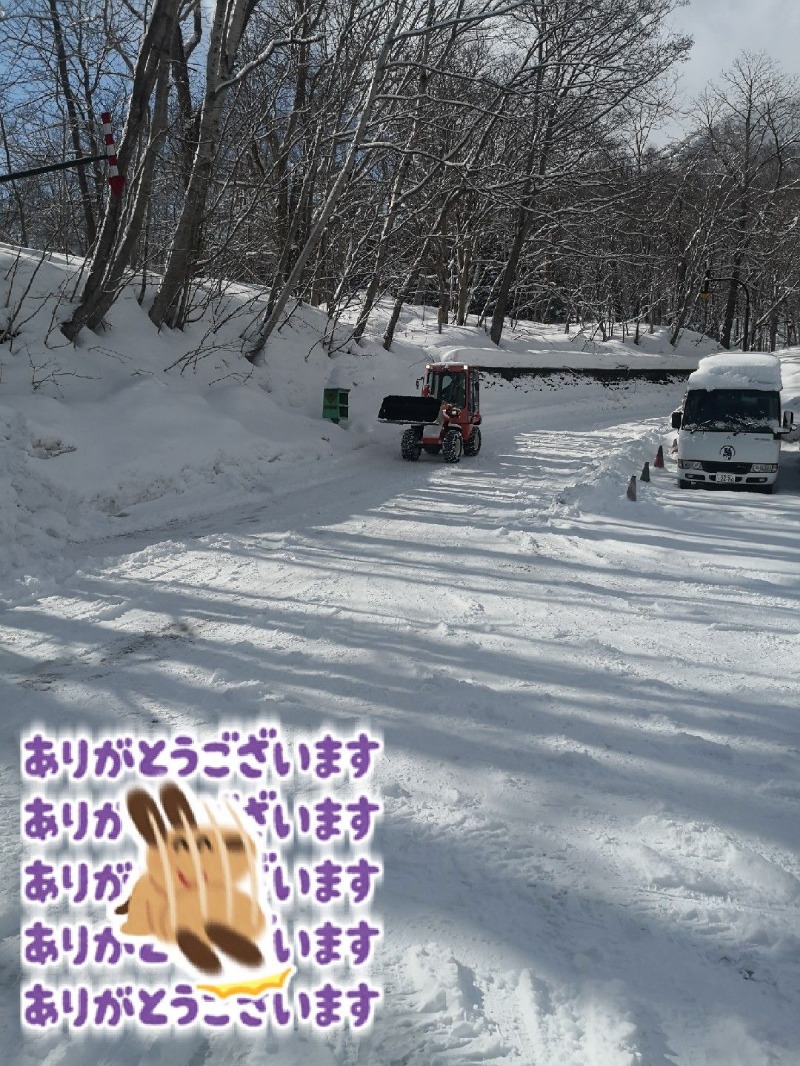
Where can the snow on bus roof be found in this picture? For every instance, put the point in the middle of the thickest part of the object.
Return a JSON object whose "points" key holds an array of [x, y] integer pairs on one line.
{"points": [[737, 371]]}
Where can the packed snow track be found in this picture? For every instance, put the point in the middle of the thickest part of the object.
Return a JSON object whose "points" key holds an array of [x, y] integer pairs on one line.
{"points": [[590, 708]]}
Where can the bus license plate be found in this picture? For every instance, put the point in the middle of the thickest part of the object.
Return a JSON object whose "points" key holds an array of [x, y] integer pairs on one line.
{"points": [[726, 479]]}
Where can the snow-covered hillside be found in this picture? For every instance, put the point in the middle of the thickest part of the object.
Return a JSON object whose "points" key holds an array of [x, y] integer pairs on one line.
{"points": [[589, 705], [102, 438]]}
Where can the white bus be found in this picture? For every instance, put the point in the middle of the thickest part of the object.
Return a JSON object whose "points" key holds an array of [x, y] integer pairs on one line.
{"points": [[730, 425]]}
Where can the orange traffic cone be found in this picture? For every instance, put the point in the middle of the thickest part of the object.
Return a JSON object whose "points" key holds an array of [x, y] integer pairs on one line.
{"points": [[631, 493], [659, 459], [645, 475]]}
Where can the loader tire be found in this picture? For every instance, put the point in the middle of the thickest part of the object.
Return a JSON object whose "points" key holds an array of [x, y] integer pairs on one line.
{"points": [[410, 446], [473, 445], [452, 446]]}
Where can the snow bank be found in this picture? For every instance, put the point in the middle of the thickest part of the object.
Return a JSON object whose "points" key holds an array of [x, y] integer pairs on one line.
{"points": [[533, 345], [738, 371]]}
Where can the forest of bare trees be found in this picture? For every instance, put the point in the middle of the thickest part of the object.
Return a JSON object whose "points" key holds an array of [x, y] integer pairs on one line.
{"points": [[488, 157]]}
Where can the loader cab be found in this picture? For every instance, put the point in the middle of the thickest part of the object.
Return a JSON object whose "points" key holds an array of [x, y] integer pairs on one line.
{"points": [[453, 384]]}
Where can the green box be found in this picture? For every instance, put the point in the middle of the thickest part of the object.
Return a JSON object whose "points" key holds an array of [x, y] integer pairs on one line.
{"points": [[335, 404]]}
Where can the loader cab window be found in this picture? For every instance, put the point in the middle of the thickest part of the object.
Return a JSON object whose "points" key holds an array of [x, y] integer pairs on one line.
{"points": [[474, 399], [448, 387]]}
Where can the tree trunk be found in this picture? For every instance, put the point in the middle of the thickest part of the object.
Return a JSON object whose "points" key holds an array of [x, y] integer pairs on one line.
{"points": [[138, 209], [74, 122], [23, 232], [730, 305], [321, 221], [155, 47], [443, 311], [229, 23], [507, 278], [373, 288], [465, 283], [396, 199], [414, 274]]}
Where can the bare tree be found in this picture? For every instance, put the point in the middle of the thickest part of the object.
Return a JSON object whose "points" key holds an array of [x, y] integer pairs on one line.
{"points": [[752, 130], [589, 59], [122, 224]]}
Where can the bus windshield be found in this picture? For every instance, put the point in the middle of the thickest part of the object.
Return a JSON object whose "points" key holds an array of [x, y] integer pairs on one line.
{"points": [[732, 410]]}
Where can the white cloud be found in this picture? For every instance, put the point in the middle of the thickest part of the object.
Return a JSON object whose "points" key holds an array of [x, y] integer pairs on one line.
{"points": [[722, 29]]}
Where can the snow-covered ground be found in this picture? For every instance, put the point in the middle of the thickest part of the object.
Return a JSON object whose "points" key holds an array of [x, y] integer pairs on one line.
{"points": [[589, 705]]}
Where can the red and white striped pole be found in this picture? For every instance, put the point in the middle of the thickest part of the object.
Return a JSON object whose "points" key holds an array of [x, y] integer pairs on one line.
{"points": [[115, 179]]}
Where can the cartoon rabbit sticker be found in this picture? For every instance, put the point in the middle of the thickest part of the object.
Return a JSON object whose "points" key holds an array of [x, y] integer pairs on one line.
{"points": [[189, 894]]}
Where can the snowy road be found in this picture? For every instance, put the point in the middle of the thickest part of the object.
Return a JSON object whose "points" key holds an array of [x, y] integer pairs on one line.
{"points": [[591, 711]]}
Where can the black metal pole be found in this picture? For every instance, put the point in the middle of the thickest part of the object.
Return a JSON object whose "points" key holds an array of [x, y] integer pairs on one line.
{"points": [[51, 166]]}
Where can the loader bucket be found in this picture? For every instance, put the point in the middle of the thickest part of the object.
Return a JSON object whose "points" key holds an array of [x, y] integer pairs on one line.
{"points": [[410, 410]]}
